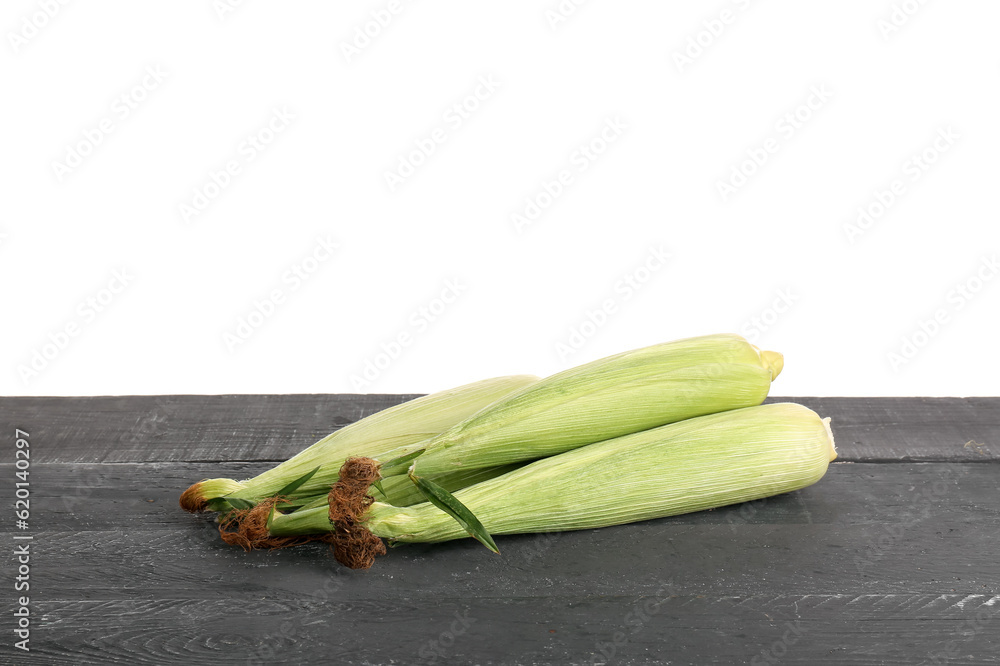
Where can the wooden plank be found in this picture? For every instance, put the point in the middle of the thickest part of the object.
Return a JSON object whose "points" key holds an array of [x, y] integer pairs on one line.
{"points": [[661, 628], [911, 429], [183, 427], [876, 564], [231, 428], [934, 529]]}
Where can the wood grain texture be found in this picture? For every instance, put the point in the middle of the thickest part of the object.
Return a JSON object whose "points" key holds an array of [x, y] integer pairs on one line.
{"points": [[230, 428], [876, 564], [872, 630], [191, 428], [911, 429], [831, 537]]}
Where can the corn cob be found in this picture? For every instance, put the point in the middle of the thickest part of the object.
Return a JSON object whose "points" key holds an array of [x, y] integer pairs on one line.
{"points": [[410, 423], [700, 463], [611, 397]]}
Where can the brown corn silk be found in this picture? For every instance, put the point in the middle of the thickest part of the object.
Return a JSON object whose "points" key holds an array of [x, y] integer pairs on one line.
{"points": [[354, 545]]}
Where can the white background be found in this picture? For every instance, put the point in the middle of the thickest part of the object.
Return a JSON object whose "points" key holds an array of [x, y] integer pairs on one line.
{"points": [[891, 81]]}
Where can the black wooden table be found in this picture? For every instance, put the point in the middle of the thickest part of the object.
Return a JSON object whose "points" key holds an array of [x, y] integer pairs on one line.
{"points": [[893, 558]]}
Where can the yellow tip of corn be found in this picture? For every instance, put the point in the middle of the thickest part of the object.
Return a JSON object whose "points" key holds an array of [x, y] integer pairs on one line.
{"points": [[773, 361], [833, 447]]}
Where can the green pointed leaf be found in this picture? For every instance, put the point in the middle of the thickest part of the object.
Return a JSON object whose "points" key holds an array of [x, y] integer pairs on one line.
{"points": [[447, 502], [296, 484], [238, 503], [378, 486], [399, 465]]}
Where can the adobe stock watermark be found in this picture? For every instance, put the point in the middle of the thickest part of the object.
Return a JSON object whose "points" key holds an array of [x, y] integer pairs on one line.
{"points": [[779, 648], [288, 632], [150, 426], [561, 12], [745, 513], [541, 543], [899, 15], [711, 30], [622, 291], [956, 299], [786, 127], [59, 340], [418, 322], [437, 648], [291, 281], [580, 160], [122, 106], [365, 34], [247, 151], [763, 321], [987, 613], [22, 541], [31, 25], [912, 170], [80, 487], [454, 117], [223, 8], [634, 621], [918, 511]]}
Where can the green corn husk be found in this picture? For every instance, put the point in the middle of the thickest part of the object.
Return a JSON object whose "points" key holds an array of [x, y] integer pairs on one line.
{"points": [[411, 423], [399, 491], [611, 397], [700, 463]]}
